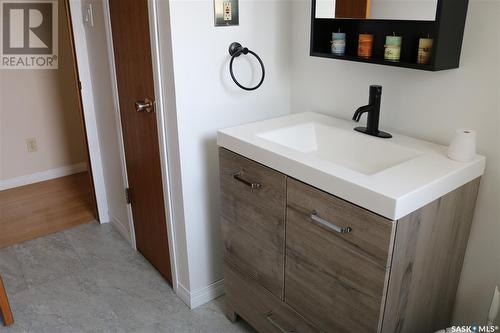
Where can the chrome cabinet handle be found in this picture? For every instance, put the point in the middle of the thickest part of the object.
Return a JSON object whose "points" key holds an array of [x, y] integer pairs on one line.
{"points": [[275, 324], [341, 230], [252, 185], [145, 106]]}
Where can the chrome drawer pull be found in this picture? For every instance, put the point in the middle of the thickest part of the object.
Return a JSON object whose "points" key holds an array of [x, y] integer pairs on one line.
{"points": [[275, 324], [238, 177], [329, 225]]}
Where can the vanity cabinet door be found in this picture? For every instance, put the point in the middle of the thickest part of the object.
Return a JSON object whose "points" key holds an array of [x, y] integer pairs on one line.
{"points": [[335, 280], [253, 219]]}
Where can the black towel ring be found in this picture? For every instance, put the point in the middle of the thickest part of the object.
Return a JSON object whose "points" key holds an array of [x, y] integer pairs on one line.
{"points": [[235, 50]]}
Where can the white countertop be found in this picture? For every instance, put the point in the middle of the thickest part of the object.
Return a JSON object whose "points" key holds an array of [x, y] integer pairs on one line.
{"points": [[391, 177]]}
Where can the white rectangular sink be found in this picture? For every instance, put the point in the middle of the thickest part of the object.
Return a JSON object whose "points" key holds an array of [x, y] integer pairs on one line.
{"points": [[345, 148], [391, 177]]}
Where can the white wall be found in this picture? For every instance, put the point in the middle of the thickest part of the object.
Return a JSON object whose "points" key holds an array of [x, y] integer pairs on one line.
{"points": [[101, 112], [206, 100], [41, 104], [428, 106]]}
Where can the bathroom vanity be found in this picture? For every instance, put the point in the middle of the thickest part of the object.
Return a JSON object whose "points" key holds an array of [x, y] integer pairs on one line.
{"points": [[330, 230]]}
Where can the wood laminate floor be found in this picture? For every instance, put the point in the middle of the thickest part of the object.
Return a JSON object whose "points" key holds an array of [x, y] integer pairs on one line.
{"points": [[35, 210]]}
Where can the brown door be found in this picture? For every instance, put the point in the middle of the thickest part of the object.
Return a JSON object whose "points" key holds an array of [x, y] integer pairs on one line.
{"points": [[134, 74], [352, 9]]}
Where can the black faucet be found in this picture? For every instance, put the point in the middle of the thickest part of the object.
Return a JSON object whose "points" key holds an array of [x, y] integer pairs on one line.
{"points": [[373, 110]]}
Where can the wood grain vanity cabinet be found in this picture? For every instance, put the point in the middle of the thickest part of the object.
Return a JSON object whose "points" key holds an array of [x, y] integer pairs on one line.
{"points": [[253, 220], [298, 259]]}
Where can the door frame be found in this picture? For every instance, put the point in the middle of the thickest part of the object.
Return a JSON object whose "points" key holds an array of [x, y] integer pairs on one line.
{"points": [[118, 119], [161, 121], [87, 111], [90, 117]]}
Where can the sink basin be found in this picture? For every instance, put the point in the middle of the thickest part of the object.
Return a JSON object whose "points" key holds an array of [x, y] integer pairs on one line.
{"points": [[346, 148], [391, 177]]}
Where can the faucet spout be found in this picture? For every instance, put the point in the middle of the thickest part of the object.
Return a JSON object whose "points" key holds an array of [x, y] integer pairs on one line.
{"points": [[359, 112], [373, 110]]}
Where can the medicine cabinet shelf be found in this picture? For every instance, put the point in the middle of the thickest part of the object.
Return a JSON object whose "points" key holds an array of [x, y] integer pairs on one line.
{"points": [[447, 31]]}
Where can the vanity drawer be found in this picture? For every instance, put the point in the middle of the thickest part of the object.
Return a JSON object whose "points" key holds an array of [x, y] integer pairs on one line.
{"points": [[259, 307], [253, 219], [335, 280], [371, 234]]}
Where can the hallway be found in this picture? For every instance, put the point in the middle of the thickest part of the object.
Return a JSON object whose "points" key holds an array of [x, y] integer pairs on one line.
{"points": [[39, 209]]}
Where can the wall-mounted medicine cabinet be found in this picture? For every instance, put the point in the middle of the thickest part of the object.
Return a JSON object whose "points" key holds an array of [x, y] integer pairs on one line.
{"points": [[440, 20]]}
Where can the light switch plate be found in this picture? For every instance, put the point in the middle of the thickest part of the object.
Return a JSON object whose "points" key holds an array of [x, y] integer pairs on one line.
{"points": [[88, 14], [226, 13]]}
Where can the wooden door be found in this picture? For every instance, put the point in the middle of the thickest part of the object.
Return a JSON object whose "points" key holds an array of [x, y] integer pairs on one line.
{"points": [[352, 9], [134, 74]]}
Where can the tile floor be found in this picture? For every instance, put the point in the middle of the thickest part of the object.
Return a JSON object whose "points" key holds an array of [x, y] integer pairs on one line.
{"points": [[88, 279]]}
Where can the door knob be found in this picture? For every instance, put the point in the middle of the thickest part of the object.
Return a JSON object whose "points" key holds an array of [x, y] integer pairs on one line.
{"points": [[147, 105]]}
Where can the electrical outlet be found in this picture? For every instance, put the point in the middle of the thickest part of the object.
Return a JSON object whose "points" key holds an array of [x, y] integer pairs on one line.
{"points": [[31, 145], [228, 14]]}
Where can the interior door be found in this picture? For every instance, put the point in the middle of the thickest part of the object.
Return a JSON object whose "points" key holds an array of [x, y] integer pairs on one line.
{"points": [[134, 73], [352, 9]]}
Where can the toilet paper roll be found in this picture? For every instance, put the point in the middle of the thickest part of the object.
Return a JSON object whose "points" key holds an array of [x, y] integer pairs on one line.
{"points": [[463, 146]]}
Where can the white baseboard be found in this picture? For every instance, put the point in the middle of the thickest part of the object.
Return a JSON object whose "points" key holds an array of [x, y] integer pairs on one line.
{"points": [[201, 296], [122, 228], [42, 176], [183, 294]]}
